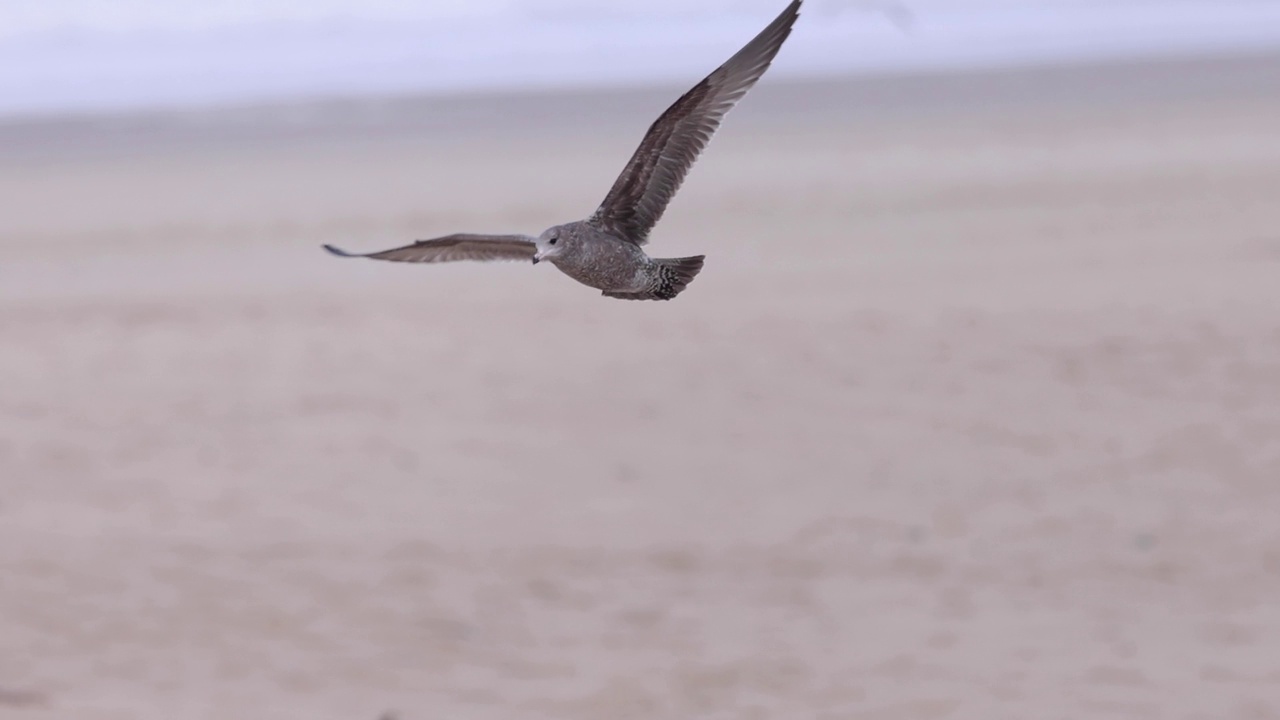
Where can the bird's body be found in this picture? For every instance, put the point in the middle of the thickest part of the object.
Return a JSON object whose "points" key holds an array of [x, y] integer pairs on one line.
{"points": [[605, 250], [599, 259]]}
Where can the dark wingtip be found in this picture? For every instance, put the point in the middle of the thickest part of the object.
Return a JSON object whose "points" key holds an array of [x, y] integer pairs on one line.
{"points": [[338, 251]]}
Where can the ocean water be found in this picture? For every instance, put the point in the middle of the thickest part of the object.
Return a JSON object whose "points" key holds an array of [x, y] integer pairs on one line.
{"points": [[88, 56]]}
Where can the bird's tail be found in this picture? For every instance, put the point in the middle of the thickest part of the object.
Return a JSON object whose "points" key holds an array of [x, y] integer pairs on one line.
{"points": [[675, 274], [672, 275]]}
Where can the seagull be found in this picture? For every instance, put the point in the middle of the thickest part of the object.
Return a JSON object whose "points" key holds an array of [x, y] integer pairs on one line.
{"points": [[605, 251]]}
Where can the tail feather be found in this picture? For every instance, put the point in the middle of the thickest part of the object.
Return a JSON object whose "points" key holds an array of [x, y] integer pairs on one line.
{"points": [[676, 274], [673, 275]]}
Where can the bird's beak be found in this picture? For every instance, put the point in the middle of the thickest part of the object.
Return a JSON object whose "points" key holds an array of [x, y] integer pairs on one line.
{"points": [[536, 259]]}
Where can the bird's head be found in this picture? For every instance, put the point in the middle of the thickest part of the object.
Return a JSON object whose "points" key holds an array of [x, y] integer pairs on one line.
{"points": [[550, 244]]}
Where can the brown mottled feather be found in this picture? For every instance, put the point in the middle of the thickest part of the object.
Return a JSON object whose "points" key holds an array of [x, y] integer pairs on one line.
{"points": [[672, 277], [641, 193], [454, 248]]}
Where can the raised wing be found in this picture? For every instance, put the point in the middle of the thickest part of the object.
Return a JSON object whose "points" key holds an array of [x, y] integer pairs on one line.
{"points": [[640, 195], [454, 248]]}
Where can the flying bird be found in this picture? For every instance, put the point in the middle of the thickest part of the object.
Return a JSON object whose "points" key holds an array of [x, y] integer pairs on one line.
{"points": [[605, 251]]}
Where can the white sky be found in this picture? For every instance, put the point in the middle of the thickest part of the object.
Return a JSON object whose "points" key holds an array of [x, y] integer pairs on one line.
{"points": [[107, 55], [20, 17], [27, 16]]}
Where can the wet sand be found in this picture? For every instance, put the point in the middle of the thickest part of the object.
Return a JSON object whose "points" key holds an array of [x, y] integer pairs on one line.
{"points": [[973, 413]]}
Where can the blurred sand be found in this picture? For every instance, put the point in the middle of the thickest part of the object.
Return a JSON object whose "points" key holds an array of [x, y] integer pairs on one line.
{"points": [[974, 413]]}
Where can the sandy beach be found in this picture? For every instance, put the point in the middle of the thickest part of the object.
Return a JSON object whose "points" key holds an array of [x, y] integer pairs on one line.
{"points": [[973, 413]]}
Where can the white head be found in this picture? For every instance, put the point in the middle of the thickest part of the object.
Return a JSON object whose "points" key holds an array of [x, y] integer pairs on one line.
{"points": [[550, 243]]}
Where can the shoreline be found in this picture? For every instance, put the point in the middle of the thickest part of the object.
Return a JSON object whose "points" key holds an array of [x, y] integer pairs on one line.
{"points": [[1254, 69]]}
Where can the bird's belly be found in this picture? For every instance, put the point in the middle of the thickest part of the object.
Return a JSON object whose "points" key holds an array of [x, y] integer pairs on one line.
{"points": [[618, 270], [606, 277]]}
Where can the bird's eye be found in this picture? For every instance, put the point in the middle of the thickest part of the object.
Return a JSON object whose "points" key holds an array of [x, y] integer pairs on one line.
{"points": [[553, 241]]}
